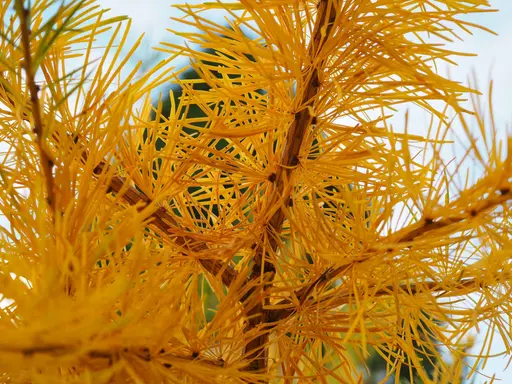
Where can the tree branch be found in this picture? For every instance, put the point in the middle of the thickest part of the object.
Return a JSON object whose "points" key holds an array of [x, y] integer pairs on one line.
{"points": [[109, 356], [442, 289], [161, 219], [255, 348], [45, 158], [405, 235], [428, 224], [165, 222]]}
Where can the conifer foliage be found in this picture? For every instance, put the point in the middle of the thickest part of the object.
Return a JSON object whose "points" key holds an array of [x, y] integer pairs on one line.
{"points": [[276, 237]]}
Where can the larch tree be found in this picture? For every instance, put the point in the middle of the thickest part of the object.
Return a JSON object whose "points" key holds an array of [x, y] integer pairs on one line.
{"points": [[278, 234]]}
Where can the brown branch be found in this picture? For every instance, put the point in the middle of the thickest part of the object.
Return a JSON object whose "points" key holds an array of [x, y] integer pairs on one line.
{"points": [[45, 158], [161, 218], [109, 355], [255, 348], [442, 289], [410, 233], [165, 222], [430, 224]]}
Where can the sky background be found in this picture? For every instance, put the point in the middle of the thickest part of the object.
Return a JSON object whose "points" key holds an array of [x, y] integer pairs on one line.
{"points": [[494, 61]]}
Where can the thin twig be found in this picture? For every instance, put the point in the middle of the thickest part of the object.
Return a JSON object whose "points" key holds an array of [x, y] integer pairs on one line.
{"points": [[429, 224], [45, 158]]}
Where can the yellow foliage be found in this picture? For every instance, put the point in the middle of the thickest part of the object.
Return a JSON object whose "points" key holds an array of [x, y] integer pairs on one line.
{"points": [[318, 238]]}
